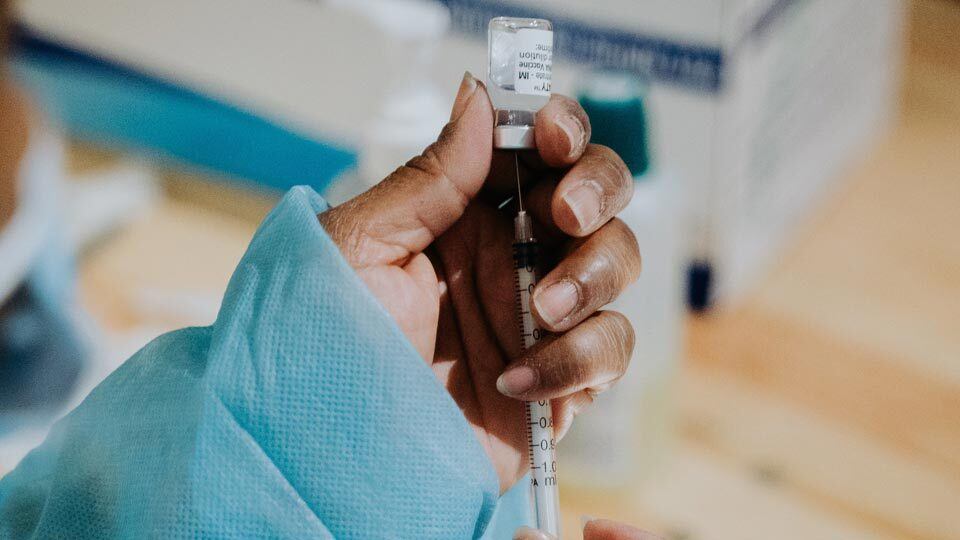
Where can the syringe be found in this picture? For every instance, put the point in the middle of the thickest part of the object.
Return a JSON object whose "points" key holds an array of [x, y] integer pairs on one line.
{"points": [[519, 75], [544, 495]]}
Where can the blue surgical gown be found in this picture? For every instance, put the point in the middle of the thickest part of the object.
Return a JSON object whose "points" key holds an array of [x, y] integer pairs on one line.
{"points": [[301, 412]]}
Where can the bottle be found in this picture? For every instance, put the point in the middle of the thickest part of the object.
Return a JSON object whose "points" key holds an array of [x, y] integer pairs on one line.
{"points": [[519, 78]]}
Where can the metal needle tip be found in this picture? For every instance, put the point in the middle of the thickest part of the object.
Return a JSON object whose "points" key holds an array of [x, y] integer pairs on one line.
{"points": [[516, 166]]}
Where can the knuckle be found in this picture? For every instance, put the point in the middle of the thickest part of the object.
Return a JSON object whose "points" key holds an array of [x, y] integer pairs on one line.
{"points": [[612, 173], [426, 164], [563, 106], [595, 354], [613, 165], [630, 258], [563, 366], [427, 169], [572, 374], [573, 108], [607, 265], [622, 338], [446, 134], [563, 103], [347, 232], [586, 342], [601, 285]]}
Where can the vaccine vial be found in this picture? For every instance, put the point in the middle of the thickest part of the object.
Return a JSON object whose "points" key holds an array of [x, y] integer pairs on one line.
{"points": [[519, 77]]}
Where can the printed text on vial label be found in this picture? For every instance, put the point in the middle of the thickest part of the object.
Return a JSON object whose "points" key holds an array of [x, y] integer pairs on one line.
{"points": [[534, 68]]}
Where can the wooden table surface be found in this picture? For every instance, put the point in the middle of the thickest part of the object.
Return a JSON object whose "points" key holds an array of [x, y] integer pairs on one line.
{"points": [[824, 406]]}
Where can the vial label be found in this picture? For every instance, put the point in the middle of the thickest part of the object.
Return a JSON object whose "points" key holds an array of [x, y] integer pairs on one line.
{"points": [[534, 68]]}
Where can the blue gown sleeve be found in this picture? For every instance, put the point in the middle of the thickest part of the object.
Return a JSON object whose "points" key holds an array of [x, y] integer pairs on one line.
{"points": [[302, 411]]}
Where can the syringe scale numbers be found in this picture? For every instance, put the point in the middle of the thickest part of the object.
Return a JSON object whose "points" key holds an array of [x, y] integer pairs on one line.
{"points": [[540, 434]]}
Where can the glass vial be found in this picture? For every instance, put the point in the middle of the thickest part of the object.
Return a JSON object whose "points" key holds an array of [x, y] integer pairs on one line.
{"points": [[519, 77]]}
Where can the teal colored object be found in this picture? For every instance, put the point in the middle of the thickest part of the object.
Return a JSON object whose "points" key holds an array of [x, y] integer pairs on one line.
{"points": [[615, 104], [108, 103], [302, 412]]}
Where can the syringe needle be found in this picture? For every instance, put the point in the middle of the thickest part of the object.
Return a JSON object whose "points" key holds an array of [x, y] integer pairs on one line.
{"points": [[516, 167]]}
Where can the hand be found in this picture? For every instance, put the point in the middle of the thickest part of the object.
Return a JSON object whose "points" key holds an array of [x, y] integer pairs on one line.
{"points": [[597, 529], [432, 246]]}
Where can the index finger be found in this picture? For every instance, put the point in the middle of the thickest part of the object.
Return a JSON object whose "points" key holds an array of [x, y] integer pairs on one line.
{"points": [[526, 533], [563, 131], [604, 529]]}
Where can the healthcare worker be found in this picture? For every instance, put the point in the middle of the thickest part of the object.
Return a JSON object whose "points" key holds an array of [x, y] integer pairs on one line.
{"points": [[363, 378]]}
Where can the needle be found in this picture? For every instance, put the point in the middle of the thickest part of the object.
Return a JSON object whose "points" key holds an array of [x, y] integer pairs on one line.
{"points": [[516, 163]]}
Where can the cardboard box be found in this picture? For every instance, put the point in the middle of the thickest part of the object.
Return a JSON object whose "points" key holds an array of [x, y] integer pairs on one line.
{"points": [[756, 106]]}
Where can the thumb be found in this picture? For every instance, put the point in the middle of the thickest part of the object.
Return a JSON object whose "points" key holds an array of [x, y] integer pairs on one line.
{"points": [[403, 214]]}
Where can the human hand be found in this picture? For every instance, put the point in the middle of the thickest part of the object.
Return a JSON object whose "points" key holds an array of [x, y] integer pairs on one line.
{"points": [[596, 529], [432, 246]]}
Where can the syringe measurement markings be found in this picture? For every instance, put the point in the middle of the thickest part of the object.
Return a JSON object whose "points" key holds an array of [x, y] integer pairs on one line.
{"points": [[539, 424]]}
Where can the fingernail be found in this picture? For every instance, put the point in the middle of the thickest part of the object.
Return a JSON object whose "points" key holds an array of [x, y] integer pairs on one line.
{"points": [[620, 530], [572, 127], [516, 381], [584, 203], [526, 533], [557, 301], [467, 87]]}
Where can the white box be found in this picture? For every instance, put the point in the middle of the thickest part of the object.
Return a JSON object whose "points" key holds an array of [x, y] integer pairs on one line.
{"points": [[807, 91], [756, 105]]}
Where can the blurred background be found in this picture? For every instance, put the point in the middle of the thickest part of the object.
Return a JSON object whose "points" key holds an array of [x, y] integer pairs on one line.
{"points": [[797, 165]]}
